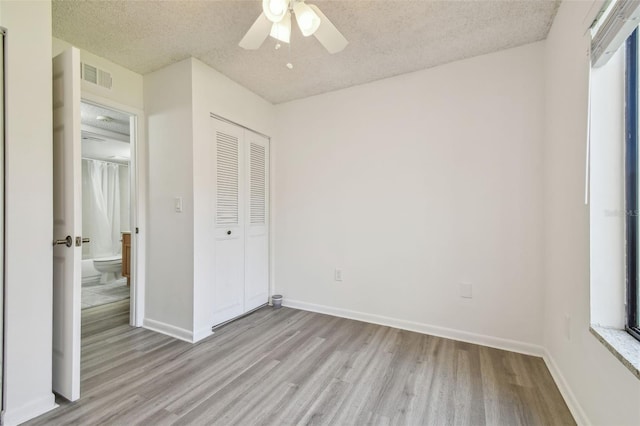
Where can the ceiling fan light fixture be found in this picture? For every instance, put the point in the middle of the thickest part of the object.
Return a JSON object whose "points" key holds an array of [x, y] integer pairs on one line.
{"points": [[275, 10], [307, 19], [282, 30]]}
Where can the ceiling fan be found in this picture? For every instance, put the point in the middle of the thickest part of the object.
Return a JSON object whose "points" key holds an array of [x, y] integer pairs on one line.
{"points": [[275, 20]]}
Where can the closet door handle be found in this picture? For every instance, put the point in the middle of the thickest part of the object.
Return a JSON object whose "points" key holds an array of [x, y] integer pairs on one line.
{"points": [[228, 232]]}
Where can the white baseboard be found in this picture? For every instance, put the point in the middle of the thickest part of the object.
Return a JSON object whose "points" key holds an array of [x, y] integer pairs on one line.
{"points": [[29, 411], [168, 329], [448, 333], [177, 332], [569, 398], [202, 334]]}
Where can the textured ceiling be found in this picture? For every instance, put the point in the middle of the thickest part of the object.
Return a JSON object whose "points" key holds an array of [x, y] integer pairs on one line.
{"points": [[118, 123], [386, 38], [104, 140]]}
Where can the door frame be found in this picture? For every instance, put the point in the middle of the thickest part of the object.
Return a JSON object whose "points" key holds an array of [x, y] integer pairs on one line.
{"points": [[3, 33], [137, 204]]}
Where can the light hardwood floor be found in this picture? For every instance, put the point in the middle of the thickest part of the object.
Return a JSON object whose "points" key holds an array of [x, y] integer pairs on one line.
{"points": [[294, 367]]}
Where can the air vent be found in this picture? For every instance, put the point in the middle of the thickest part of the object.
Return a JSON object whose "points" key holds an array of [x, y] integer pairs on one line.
{"points": [[96, 76]]}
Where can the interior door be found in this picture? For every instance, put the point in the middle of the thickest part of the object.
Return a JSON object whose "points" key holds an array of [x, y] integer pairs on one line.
{"points": [[229, 230], [257, 222], [67, 224]]}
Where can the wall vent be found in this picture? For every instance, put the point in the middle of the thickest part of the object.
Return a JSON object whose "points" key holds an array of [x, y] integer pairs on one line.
{"points": [[96, 75]]}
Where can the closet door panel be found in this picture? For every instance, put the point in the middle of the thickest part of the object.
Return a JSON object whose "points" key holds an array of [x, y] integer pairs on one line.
{"points": [[229, 227], [257, 221]]}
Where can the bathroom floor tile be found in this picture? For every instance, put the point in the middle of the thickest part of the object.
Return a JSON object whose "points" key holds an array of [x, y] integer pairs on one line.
{"points": [[102, 294]]}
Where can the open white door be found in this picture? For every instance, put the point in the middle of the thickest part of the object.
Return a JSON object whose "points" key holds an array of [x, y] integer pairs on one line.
{"points": [[67, 224]]}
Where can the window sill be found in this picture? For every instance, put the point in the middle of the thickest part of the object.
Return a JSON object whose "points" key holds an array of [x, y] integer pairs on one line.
{"points": [[622, 345]]}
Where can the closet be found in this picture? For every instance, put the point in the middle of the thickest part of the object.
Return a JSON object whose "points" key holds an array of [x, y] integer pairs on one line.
{"points": [[241, 173]]}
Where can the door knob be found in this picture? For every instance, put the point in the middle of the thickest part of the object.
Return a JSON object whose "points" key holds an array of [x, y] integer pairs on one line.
{"points": [[228, 232], [67, 241]]}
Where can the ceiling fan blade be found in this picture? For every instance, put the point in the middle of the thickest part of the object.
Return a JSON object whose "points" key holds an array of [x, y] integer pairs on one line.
{"points": [[327, 34], [257, 34]]}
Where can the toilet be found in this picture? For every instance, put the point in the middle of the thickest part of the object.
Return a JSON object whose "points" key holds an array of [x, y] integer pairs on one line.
{"points": [[110, 268]]}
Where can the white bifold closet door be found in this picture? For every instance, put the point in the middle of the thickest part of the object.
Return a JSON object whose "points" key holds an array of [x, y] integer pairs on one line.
{"points": [[241, 222], [256, 283]]}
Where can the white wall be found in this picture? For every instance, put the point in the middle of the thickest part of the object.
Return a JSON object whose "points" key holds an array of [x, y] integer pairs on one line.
{"points": [[596, 385], [127, 86], [168, 108], [413, 185], [178, 103], [29, 231]]}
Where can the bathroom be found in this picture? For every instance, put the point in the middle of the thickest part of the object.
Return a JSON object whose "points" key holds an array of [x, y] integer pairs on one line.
{"points": [[106, 153]]}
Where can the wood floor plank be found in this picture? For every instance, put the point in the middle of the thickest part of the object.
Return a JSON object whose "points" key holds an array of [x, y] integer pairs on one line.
{"points": [[281, 367]]}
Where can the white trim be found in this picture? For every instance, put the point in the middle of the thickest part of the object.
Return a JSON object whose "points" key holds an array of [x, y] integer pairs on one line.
{"points": [[168, 329], [569, 398], [433, 330], [29, 411], [202, 334]]}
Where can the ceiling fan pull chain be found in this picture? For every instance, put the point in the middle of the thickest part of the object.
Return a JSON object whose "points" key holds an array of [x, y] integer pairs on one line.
{"points": [[290, 64]]}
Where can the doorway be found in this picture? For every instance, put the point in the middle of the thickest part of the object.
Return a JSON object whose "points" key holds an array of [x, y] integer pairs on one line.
{"points": [[68, 241], [106, 205]]}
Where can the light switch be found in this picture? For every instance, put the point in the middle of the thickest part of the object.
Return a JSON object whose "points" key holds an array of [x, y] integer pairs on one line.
{"points": [[178, 204]]}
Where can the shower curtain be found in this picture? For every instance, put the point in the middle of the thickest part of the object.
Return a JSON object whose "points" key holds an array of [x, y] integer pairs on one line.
{"points": [[104, 208]]}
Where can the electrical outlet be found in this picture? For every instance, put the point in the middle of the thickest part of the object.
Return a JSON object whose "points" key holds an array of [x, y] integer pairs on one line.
{"points": [[466, 290], [337, 275], [567, 326]]}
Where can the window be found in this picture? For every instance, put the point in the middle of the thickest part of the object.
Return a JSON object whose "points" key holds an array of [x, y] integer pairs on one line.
{"points": [[632, 185], [613, 175]]}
